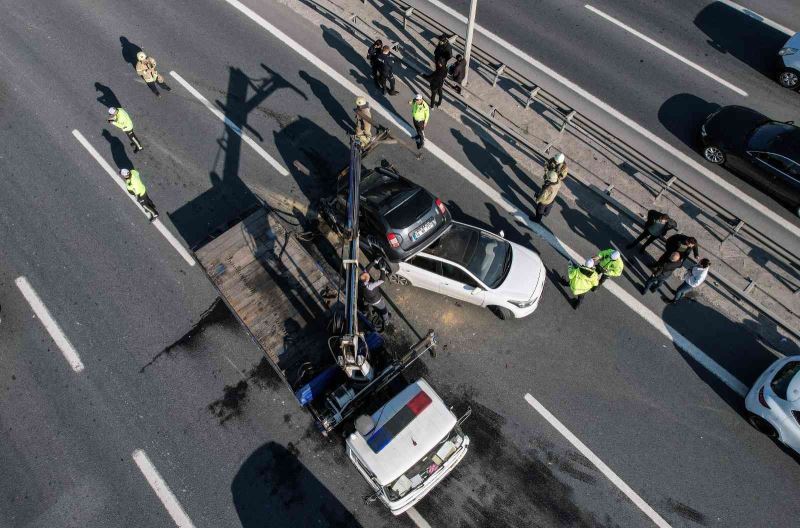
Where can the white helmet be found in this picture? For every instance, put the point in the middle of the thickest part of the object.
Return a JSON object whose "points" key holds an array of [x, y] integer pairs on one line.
{"points": [[124, 173], [141, 56], [589, 263], [418, 97], [551, 177], [112, 111], [615, 255], [560, 157], [361, 101]]}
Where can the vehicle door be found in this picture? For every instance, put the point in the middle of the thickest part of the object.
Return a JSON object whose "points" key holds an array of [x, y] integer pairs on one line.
{"points": [[459, 284], [423, 272], [756, 169], [778, 178]]}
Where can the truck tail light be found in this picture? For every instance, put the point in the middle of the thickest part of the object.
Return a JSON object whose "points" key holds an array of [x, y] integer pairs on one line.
{"points": [[761, 399], [394, 241], [440, 205]]}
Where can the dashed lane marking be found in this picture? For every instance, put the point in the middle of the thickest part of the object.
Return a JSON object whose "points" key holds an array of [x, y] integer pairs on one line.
{"points": [[50, 324], [666, 50], [116, 179], [599, 464], [414, 515], [630, 123], [230, 124], [161, 490], [668, 331]]}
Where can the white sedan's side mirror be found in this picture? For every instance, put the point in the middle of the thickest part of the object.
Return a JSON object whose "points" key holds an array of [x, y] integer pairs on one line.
{"points": [[476, 290], [502, 234]]}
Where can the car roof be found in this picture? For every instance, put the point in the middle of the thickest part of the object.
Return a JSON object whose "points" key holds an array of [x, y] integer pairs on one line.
{"points": [[457, 242], [400, 438]]}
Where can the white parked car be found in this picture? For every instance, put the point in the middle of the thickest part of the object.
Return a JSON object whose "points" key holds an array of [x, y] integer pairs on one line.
{"points": [[479, 267], [773, 404]]}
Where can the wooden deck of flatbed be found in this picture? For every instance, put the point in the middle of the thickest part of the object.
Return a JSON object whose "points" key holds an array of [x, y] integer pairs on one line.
{"points": [[274, 287]]}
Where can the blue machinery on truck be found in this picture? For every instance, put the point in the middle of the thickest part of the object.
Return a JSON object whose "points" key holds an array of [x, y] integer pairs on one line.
{"points": [[358, 349]]}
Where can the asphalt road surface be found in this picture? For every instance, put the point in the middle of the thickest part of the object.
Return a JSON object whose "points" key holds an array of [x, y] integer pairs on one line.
{"points": [[169, 373]]}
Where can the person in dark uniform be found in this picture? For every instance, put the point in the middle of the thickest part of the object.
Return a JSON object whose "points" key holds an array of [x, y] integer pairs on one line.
{"points": [[372, 57], [443, 51], [370, 294], [386, 71]]}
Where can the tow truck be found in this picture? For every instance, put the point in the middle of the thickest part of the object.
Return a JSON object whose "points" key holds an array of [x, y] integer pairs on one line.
{"points": [[401, 437]]}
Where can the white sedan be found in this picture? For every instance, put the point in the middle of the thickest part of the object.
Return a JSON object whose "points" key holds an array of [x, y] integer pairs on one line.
{"points": [[479, 267], [773, 404]]}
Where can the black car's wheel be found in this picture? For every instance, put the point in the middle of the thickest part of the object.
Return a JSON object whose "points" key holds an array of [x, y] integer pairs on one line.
{"points": [[789, 79], [714, 155], [502, 313], [762, 425], [399, 280]]}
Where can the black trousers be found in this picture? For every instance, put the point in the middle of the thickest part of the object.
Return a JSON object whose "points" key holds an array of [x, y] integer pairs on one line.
{"points": [[134, 141], [376, 73], [543, 210], [420, 128], [436, 90], [645, 234], [147, 203], [387, 80]]}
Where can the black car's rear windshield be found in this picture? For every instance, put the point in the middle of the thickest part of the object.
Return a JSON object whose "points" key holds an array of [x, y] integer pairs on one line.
{"points": [[406, 207], [485, 256], [771, 134]]}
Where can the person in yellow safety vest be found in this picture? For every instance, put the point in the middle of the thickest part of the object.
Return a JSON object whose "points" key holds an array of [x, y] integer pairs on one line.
{"points": [[363, 121], [133, 182], [420, 112], [609, 264], [120, 119], [146, 69], [558, 164], [582, 280]]}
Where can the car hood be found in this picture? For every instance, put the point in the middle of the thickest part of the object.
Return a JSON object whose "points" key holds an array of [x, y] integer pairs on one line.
{"points": [[729, 126], [526, 273]]}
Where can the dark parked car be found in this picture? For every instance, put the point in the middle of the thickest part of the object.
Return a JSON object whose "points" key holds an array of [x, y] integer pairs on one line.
{"points": [[398, 217], [763, 151]]}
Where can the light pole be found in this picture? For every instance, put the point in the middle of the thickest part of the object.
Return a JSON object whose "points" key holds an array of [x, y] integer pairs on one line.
{"points": [[473, 6]]}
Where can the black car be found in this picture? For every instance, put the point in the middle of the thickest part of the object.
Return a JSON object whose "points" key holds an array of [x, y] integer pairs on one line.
{"points": [[398, 217], [765, 152]]}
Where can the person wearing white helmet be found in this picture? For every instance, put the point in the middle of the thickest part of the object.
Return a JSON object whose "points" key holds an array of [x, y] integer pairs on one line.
{"points": [[420, 113], [133, 182], [146, 69], [547, 196], [609, 264], [558, 164], [582, 280], [363, 121], [120, 119]]}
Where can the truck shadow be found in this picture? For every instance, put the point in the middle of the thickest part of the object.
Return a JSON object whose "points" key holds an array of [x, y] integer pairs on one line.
{"points": [[274, 488]]}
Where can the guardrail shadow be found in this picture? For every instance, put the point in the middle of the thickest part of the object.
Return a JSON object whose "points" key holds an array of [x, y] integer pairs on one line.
{"points": [[274, 488], [742, 36]]}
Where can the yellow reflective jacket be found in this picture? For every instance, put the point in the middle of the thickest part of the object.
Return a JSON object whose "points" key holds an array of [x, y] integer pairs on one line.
{"points": [[609, 266], [135, 185], [420, 111], [582, 279], [122, 120]]}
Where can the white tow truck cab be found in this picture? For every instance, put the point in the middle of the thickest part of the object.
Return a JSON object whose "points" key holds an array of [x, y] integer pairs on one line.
{"points": [[407, 446]]}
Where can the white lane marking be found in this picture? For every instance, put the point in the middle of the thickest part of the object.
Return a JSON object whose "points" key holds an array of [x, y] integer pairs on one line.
{"points": [[230, 124], [599, 464], [161, 489], [753, 14], [666, 50], [682, 342], [420, 521], [50, 324], [755, 204], [116, 179]]}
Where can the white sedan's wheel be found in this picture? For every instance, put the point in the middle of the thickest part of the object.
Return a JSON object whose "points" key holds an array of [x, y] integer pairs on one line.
{"points": [[398, 279]]}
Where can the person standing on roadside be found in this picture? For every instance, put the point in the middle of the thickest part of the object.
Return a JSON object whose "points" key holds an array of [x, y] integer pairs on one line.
{"points": [[363, 121], [694, 278], [386, 64], [420, 113], [682, 244], [658, 224], [457, 72], [133, 182], [372, 56], [443, 51], [662, 271], [436, 80], [146, 69], [582, 280], [557, 164], [609, 264], [547, 196], [120, 119]]}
